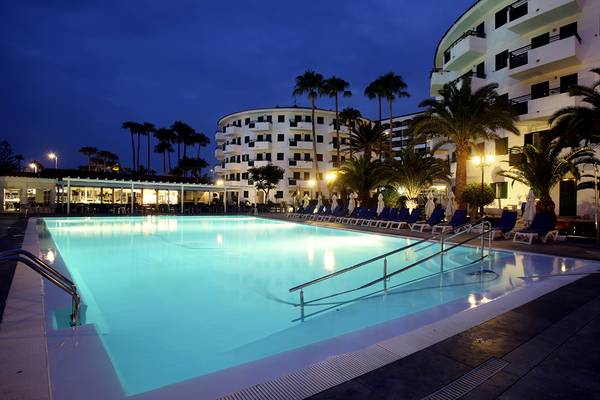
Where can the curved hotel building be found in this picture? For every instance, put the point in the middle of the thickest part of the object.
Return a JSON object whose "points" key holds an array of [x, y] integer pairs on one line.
{"points": [[283, 137], [534, 50]]}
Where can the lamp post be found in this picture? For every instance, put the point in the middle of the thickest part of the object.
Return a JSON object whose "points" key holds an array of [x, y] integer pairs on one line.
{"points": [[54, 156], [483, 161], [33, 166]]}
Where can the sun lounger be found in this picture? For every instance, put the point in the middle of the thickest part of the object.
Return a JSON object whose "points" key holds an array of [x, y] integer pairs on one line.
{"points": [[353, 214], [435, 218], [459, 219], [382, 216], [384, 222], [402, 216], [542, 227]]}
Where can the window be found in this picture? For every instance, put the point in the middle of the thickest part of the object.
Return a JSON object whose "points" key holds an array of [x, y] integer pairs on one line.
{"points": [[306, 156], [244, 175], [307, 176], [245, 157], [297, 137], [246, 139], [269, 118], [334, 158], [259, 157], [502, 146], [281, 118], [297, 118], [540, 40], [260, 119], [269, 138], [540, 90], [259, 138], [307, 118], [280, 137], [481, 148], [279, 194], [447, 56], [247, 121], [501, 189], [245, 193], [307, 138], [480, 70], [501, 17], [268, 156], [237, 159], [319, 157], [568, 30], [280, 156], [480, 30], [320, 120], [296, 175], [521, 108], [319, 139], [518, 11], [501, 60], [567, 81], [297, 156]]}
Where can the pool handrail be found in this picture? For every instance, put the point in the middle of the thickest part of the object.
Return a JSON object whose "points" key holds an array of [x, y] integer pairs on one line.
{"points": [[45, 270], [456, 232]]}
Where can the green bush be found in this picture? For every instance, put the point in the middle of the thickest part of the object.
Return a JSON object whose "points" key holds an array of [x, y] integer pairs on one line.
{"points": [[473, 195], [390, 197]]}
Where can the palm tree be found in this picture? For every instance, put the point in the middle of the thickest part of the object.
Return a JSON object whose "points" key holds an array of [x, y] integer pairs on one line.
{"points": [[463, 117], [375, 90], [350, 116], [393, 86], [544, 165], [580, 123], [169, 136], [361, 175], [332, 87], [148, 129], [366, 137], [414, 171], [164, 147], [88, 151], [133, 128], [311, 84], [184, 134]]}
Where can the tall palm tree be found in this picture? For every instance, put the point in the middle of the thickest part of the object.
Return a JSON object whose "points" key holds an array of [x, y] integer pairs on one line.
{"points": [[543, 166], [164, 147], [184, 134], [202, 141], [332, 87], [311, 84], [148, 129], [463, 117], [166, 135], [366, 137], [414, 171], [88, 151], [133, 128], [580, 123], [393, 87], [361, 175], [375, 90], [350, 116], [105, 156]]}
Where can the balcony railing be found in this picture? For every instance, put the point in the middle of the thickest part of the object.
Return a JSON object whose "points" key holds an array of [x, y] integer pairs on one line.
{"points": [[471, 32], [520, 57]]}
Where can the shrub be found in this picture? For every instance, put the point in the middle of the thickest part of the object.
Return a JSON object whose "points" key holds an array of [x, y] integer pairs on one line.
{"points": [[475, 197]]}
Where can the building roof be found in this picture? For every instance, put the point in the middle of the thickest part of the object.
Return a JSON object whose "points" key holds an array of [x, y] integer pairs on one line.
{"points": [[271, 109]]}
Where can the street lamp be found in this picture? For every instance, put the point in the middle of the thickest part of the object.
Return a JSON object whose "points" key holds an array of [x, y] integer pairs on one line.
{"points": [[484, 161], [54, 156], [33, 166]]}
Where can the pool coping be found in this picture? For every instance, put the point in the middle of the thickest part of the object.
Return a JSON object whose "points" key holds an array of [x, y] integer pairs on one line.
{"points": [[283, 377]]}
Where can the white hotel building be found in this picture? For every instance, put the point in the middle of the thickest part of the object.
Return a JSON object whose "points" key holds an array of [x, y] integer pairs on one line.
{"points": [[283, 137], [534, 50]]}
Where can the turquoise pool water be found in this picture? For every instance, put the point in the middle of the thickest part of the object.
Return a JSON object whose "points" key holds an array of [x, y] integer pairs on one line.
{"points": [[173, 298]]}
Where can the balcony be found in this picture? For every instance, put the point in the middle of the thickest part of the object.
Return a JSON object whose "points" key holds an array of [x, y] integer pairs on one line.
{"points": [[464, 51], [233, 131], [219, 169], [258, 163], [333, 147], [220, 137], [219, 153], [301, 144], [259, 145], [301, 125], [233, 166], [534, 14], [528, 62], [232, 148], [439, 78], [301, 183], [300, 164], [259, 126], [343, 129], [542, 108]]}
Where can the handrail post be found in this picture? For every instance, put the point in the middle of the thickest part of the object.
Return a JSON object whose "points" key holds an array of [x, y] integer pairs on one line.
{"points": [[482, 235], [385, 275], [302, 305], [442, 252]]}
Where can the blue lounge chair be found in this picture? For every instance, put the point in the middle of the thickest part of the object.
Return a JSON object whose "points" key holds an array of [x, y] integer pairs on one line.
{"points": [[414, 216], [436, 217], [381, 217], [339, 212], [355, 213], [368, 217], [325, 214], [308, 212], [542, 227], [361, 215], [402, 216], [507, 223], [392, 215], [459, 219]]}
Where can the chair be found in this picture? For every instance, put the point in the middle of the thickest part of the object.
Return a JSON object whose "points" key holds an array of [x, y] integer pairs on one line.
{"points": [[362, 214], [459, 219], [507, 223], [542, 227], [353, 214], [384, 222], [436, 217], [369, 216], [308, 211], [325, 214], [382, 216], [402, 216], [339, 212]]}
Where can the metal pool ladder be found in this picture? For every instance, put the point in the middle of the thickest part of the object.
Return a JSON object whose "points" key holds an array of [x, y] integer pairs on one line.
{"points": [[482, 223], [45, 270]]}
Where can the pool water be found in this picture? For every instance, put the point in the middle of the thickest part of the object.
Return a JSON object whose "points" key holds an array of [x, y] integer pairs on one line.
{"points": [[174, 298]]}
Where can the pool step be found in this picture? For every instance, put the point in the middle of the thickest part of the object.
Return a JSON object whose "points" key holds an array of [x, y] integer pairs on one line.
{"points": [[469, 381]]}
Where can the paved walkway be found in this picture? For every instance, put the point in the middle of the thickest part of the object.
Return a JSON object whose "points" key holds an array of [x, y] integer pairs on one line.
{"points": [[550, 345], [12, 228]]}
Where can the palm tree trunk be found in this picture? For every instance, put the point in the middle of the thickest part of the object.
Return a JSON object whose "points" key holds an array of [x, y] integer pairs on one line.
{"points": [[170, 168], [138, 151], [314, 143], [89, 162], [133, 151], [545, 204], [164, 162], [379, 102], [461, 172], [148, 151], [337, 127], [391, 126]]}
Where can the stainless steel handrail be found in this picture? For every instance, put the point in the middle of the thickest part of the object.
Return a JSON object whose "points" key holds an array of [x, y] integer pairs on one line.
{"points": [[45, 270], [379, 257]]}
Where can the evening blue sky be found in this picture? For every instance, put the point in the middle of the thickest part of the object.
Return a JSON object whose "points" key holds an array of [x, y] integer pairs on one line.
{"points": [[72, 71]]}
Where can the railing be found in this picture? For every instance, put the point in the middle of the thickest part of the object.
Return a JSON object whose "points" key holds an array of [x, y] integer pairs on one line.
{"points": [[39, 266], [385, 277], [518, 57], [471, 32]]}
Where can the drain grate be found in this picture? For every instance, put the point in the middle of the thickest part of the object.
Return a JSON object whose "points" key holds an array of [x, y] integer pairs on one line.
{"points": [[318, 377], [469, 381]]}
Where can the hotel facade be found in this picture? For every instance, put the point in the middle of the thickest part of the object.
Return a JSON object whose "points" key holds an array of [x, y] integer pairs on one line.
{"points": [[535, 50]]}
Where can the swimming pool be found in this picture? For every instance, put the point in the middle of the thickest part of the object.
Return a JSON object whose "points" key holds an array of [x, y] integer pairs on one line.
{"points": [[211, 293]]}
